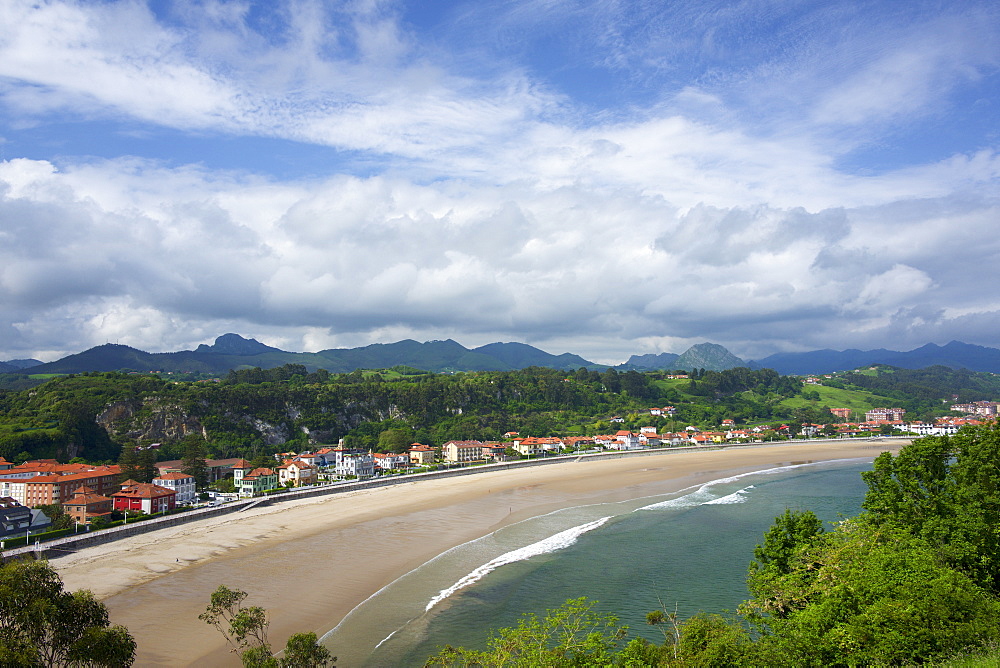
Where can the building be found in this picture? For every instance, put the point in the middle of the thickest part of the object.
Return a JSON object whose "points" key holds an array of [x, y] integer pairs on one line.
{"points": [[626, 440], [985, 408], [55, 488], [145, 497], [356, 464], [389, 461], [885, 415], [528, 446], [257, 482], [181, 483], [458, 452], [496, 452], [842, 413], [15, 518], [297, 472], [86, 505], [421, 454]]}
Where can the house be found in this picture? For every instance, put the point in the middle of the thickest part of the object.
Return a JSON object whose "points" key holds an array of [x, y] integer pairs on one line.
{"points": [[842, 413], [240, 468], [181, 483], [15, 518], [5, 465], [462, 451], [626, 440], [308, 458], [390, 461], [297, 472], [86, 505], [256, 482], [496, 452], [528, 446], [649, 439], [145, 497], [357, 464], [421, 454], [578, 442]]}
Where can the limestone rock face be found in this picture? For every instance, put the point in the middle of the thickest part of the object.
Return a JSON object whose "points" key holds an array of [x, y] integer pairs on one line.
{"points": [[149, 420]]}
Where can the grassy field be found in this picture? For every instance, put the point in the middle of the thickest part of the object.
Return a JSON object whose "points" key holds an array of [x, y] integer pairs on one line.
{"points": [[837, 398]]}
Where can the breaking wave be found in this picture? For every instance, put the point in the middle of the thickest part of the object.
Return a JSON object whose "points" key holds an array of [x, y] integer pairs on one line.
{"points": [[739, 496], [550, 544]]}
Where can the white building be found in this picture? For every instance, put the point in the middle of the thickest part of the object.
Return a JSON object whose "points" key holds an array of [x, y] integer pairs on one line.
{"points": [[181, 484], [359, 464]]}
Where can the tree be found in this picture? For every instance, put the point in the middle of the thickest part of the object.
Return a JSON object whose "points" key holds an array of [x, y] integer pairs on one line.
{"points": [[193, 462], [394, 440], [945, 490], [867, 596], [245, 629], [570, 635], [57, 515], [128, 462], [43, 625], [146, 464]]}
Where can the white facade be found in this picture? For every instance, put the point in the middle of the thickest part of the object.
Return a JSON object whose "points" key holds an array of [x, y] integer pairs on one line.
{"points": [[180, 483], [14, 488], [361, 465]]}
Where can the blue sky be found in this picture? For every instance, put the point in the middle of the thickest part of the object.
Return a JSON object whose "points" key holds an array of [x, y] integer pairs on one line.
{"points": [[604, 178]]}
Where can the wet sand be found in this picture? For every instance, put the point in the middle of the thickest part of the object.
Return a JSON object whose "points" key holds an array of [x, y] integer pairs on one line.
{"points": [[311, 562]]}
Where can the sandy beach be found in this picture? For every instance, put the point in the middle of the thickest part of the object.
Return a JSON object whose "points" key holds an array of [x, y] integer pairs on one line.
{"points": [[311, 562]]}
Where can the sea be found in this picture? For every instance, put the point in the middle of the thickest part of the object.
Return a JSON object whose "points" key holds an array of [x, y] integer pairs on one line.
{"points": [[686, 552]]}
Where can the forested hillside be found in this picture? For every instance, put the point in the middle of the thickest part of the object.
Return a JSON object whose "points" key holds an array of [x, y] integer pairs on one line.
{"points": [[261, 411]]}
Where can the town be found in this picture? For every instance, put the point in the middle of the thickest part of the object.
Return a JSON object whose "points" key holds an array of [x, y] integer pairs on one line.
{"points": [[34, 493]]}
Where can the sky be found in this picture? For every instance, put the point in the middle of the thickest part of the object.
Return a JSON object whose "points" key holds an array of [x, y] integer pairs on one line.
{"points": [[605, 178]]}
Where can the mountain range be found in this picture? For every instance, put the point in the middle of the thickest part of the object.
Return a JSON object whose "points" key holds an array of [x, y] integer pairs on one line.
{"points": [[232, 351]]}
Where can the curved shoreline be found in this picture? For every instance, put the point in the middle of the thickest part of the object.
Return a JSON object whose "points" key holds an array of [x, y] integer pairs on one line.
{"points": [[310, 562]]}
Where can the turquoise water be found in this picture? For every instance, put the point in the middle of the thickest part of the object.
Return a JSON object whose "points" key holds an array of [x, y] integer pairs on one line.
{"points": [[689, 549]]}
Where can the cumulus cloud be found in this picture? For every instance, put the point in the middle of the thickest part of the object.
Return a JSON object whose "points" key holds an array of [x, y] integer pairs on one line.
{"points": [[489, 198]]}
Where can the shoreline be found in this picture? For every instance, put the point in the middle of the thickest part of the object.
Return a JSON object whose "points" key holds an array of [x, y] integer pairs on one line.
{"points": [[310, 562]]}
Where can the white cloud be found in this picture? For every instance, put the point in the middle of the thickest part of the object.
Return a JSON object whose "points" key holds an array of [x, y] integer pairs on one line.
{"points": [[489, 203]]}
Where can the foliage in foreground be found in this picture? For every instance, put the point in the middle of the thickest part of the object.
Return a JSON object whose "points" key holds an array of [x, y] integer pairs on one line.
{"points": [[43, 625], [912, 580], [245, 629]]}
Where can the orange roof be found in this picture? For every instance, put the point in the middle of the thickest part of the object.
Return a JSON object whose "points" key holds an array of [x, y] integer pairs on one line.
{"points": [[144, 490], [174, 476], [84, 497]]}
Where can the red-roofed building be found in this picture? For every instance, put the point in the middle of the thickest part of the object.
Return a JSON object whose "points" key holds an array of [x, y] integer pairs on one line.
{"points": [[388, 461], [421, 454], [462, 451], [85, 505], [297, 472], [146, 497], [257, 481], [54, 488]]}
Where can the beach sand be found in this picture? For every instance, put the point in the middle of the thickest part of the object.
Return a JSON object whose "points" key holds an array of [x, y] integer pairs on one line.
{"points": [[310, 562]]}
